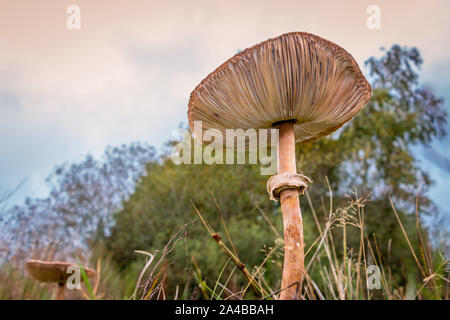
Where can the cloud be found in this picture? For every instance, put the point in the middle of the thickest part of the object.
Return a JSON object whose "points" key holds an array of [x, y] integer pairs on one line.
{"points": [[127, 74]]}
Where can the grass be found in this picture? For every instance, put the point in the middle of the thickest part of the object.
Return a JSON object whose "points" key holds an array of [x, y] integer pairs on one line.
{"points": [[332, 273], [348, 275]]}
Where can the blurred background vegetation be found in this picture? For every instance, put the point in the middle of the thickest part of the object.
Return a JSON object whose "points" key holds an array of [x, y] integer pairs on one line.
{"points": [[367, 205]]}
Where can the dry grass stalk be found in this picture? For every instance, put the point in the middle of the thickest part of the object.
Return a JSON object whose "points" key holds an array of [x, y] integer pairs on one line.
{"points": [[151, 285], [240, 265]]}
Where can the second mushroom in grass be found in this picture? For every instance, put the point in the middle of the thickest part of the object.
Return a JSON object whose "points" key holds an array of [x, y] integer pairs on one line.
{"points": [[300, 83], [54, 272]]}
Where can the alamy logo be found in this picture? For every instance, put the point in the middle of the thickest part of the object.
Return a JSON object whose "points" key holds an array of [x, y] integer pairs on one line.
{"points": [[214, 147], [74, 19], [374, 20], [373, 277], [74, 280]]}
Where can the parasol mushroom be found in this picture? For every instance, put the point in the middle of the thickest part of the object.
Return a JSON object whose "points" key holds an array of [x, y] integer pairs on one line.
{"points": [[56, 271], [302, 84]]}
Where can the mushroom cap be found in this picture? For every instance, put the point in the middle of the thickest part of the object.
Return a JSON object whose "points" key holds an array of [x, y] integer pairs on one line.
{"points": [[55, 271], [297, 77]]}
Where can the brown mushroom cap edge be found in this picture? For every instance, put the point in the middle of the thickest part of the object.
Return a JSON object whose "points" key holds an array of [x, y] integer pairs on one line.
{"points": [[283, 79]]}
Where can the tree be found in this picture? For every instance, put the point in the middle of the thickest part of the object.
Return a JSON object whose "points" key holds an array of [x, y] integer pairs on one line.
{"points": [[79, 209]]}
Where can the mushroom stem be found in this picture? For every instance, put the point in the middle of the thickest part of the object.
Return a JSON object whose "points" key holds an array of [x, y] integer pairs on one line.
{"points": [[294, 267], [60, 291]]}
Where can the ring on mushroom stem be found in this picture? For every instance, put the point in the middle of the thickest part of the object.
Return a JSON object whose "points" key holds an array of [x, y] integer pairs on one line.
{"points": [[302, 84]]}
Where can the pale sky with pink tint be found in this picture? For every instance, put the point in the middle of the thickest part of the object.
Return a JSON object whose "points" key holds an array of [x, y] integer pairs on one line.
{"points": [[126, 75]]}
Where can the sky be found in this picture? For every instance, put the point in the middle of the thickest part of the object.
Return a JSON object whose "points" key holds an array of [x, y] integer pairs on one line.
{"points": [[127, 73]]}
